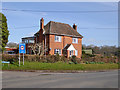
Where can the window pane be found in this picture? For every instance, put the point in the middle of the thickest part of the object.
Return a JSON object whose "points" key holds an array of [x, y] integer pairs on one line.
{"points": [[58, 38], [57, 51], [75, 40], [70, 52], [31, 41]]}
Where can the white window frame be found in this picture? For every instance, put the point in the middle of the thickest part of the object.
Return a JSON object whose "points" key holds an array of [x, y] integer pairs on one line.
{"points": [[57, 51], [31, 41], [76, 52], [26, 40], [57, 38], [74, 40]]}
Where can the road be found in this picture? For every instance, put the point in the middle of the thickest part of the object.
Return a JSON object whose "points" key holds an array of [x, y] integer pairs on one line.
{"points": [[14, 79]]}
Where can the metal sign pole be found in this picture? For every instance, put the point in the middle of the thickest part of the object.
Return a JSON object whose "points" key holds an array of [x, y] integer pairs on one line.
{"points": [[23, 58], [21, 50], [19, 59]]}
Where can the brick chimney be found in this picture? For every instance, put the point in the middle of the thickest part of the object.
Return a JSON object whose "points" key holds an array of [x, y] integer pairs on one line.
{"points": [[75, 27], [42, 23]]}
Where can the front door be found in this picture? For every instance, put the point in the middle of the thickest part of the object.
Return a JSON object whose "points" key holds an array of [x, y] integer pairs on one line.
{"points": [[71, 53]]}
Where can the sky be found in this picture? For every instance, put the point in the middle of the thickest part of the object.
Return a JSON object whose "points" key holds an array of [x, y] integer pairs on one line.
{"points": [[96, 27]]}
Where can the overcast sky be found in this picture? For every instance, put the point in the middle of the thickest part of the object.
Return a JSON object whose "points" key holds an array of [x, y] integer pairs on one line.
{"points": [[96, 21]]}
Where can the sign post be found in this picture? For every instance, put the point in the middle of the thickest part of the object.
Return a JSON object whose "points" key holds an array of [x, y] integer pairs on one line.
{"points": [[21, 50], [19, 59], [23, 58]]}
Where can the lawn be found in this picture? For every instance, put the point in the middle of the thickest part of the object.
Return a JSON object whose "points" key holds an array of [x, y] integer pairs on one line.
{"points": [[59, 66]]}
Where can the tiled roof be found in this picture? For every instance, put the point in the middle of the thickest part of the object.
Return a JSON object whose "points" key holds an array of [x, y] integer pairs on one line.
{"points": [[60, 29]]}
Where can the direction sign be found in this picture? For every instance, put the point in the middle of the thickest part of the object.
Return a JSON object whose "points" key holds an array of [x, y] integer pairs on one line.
{"points": [[22, 48]]}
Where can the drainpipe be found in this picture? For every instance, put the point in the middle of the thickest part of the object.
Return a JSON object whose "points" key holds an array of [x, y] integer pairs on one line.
{"points": [[45, 46]]}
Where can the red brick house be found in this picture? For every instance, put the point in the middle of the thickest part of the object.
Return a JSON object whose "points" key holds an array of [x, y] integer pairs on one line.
{"points": [[59, 38]]}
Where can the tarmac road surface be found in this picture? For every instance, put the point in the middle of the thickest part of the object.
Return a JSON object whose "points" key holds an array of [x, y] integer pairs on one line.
{"points": [[14, 79]]}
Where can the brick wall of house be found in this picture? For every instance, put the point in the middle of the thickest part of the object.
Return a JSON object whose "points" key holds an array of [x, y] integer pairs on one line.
{"points": [[64, 40], [54, 45], [79, 47], [40, 39]]}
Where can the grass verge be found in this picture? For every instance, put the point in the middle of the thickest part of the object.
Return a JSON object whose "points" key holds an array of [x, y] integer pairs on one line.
{"points": [[59, 66]]}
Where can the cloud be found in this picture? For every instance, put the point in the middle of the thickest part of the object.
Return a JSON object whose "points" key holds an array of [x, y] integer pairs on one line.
{"points": [[30, 34]]}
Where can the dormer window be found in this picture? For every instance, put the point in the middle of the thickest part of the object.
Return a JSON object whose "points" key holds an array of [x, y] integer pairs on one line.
{"points": [[74, 40], [57, 38]]}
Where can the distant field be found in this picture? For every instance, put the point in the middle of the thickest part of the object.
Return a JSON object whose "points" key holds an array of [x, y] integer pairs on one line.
{"points": [[59, 66]]}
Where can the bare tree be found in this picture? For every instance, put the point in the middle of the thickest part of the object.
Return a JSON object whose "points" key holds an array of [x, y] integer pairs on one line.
{"points": [[38, 48], [33, 47]]}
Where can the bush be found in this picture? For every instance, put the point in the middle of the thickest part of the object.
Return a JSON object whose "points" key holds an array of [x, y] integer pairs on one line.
{"points": [[92, 63], [73, 59], [10, 58], [87, 62], [55, 58], [34, 58], [100, 59], [70, 62]]}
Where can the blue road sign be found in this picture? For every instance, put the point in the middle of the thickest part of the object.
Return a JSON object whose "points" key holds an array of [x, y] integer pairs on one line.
{"points": [[22, 48]]}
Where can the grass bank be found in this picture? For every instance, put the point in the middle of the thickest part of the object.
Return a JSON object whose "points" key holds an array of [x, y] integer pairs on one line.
{"points": [[59, 66]]}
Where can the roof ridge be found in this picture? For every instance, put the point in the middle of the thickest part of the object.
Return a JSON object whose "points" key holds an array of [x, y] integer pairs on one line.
{"points": [[53, 27], [59, 22]]}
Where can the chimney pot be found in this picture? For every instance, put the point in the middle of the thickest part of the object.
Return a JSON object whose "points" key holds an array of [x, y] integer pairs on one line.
{"points": [[75, 27], [42, 23]]}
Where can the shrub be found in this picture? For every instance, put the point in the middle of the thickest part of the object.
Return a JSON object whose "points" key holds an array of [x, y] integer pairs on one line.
{"points": [[87, 62], [63, 59], [10, 58], [70, 62], [56, 58], [35, 58], [92, 63], [73, 59]]}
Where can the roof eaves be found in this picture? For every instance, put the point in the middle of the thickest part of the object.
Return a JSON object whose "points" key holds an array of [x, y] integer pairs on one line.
{"points": [[66, 35], [28, 37]]}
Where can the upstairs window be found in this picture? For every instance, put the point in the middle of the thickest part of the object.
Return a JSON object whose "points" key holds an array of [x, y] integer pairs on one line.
{"points": [[57, 51], [74, 40], [57, 38]]}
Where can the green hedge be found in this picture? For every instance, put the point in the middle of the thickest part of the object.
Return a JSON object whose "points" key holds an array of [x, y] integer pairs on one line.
{"points": [[36, 58]]}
